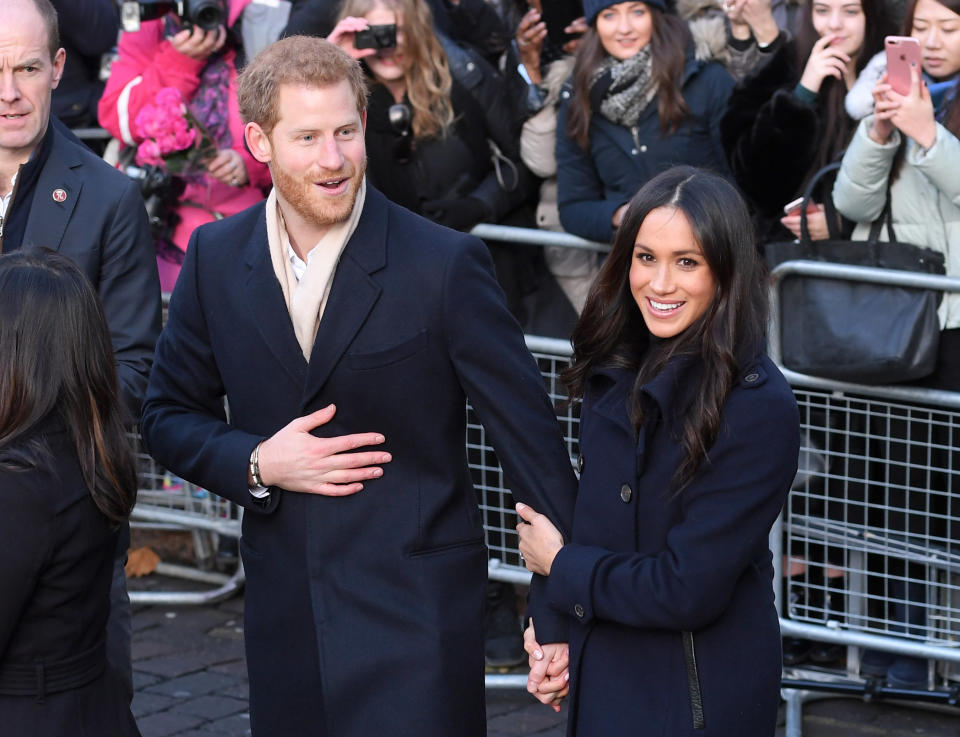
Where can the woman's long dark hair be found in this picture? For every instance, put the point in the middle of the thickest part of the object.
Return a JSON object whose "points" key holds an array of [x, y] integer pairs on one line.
{"points": [[836, 127], [668, 46], [56, 361], [726, 337]]}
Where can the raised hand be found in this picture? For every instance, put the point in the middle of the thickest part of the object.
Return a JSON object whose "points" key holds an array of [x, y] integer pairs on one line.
{"points": [[825, 61], [343, 35]]}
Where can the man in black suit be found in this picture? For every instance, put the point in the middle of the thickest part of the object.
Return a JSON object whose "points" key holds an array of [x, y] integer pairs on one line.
{"points": [[362, 542], [57, 194]]}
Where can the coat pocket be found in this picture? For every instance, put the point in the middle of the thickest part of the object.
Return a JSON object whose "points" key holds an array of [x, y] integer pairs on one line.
{"points": [[693, 681], [387, 356]]}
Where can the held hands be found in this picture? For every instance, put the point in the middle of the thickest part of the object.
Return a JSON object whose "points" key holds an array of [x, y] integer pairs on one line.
{"points": [[228, 167], [343, 35], [825, 61], [549, 679], [298, 461], [540, 541], [197, 43], [816, 224]]}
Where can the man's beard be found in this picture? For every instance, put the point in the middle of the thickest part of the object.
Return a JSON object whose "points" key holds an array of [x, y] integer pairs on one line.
{"points": [[314, 207]]}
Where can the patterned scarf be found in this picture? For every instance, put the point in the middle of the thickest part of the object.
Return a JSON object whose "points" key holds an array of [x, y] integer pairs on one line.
{"points": [[209, 103], [621, 90]]}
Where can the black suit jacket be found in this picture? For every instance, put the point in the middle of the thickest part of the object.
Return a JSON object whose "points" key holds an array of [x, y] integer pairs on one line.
{"points": [[102, 225], [363, 613]]}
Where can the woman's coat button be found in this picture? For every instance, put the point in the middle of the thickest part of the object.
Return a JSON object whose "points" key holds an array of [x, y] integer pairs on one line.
{"points": [[578, 610], [626, 492]]}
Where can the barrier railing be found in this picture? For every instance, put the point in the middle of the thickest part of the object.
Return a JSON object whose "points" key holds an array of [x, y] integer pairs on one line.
{"points": [[871, 532]]}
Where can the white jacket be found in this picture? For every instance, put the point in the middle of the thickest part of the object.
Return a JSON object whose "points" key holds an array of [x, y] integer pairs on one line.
{"points": [[925, 198]]}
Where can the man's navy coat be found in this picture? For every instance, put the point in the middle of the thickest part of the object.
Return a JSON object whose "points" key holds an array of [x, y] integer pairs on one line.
{"points": [[647, 564], [363, 613]]}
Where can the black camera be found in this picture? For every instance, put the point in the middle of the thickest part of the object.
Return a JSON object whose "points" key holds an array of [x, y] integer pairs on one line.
{"points": [[160, 191], [376, 37], [207, 14]]}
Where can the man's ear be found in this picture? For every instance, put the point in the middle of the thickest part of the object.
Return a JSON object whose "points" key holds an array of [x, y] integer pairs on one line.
{"points": [[258, 142], [59, 59]]}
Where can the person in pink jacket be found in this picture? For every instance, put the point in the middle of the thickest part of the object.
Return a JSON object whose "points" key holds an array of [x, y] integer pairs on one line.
{"points": [[202, 65]]}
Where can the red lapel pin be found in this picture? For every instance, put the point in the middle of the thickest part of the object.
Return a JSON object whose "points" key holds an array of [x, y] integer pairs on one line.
{"points": [[59, 195]]}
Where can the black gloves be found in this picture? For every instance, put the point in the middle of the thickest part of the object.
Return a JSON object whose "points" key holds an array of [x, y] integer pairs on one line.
{"points": [[460, 213]]}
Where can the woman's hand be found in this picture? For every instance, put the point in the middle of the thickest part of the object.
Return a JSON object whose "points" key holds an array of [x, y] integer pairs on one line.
{"points": [[549, 679], [884, 107], [228, 167], [343, 34], [576, 29], [540, 541], [914, 115], [531, 32], [197, 43], [825, 61], [816, 224]]}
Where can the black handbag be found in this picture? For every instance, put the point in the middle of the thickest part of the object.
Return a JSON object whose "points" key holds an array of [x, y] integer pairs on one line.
{"points": [[857, 331]]}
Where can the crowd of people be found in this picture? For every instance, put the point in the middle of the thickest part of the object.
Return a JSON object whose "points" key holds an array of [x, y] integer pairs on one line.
{"points": [[342, 145]]}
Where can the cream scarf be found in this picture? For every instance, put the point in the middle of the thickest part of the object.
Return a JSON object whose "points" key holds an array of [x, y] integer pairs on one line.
{"points": [[306, 299]]}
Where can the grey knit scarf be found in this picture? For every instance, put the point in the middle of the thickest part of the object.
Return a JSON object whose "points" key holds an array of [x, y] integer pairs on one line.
{"points": [[629, 86]]}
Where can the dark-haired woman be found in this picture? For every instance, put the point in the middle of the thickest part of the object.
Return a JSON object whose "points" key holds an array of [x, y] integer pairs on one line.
{"points": [[689, 439], [67, 481], [639, 103], [786, 119]]}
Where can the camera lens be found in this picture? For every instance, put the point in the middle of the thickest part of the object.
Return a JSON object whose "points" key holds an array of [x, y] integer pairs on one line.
{"points": [[208, 14]]}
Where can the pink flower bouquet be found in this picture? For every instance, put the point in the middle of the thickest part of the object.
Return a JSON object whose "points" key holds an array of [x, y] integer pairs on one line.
{"points": [[173, 139]]}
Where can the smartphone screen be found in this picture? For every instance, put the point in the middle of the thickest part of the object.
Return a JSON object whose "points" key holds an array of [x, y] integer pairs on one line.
{"points": [[903, 54], [558, 14]]}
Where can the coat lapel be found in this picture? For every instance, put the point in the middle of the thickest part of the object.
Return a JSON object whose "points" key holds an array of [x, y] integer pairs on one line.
{"points": [[352, 295], [48, 218], [266, 307]]}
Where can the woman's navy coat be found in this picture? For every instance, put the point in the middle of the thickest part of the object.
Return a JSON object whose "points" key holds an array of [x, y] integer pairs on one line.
{"points": [[644, 564], [593, 184]]}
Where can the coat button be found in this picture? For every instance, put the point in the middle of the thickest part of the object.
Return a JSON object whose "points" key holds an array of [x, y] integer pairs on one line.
{"points": [[580, 463], [750, 378], [633, 151], [626, 492], [578, 610], [643, 148]]}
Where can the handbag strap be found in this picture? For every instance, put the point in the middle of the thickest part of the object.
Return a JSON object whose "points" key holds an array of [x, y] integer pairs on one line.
{"points": [[831, 212], [885, 218]]}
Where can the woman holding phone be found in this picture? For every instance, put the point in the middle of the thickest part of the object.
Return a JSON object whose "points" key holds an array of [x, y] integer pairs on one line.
{"points": [[639, 102], [910, 143], [786, 119], [67, 482], [689, 439]]}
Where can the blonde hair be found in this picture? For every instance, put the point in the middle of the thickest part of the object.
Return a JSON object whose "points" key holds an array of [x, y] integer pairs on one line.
{"points": [[296, 60], [426, 71]]}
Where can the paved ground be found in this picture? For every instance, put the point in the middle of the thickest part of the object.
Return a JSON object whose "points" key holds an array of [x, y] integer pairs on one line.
{"points": [[190, 681]]}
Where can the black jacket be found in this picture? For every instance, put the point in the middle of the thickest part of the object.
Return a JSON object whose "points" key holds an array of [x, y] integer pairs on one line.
{"points": [[55, 578], [88, 29], [770, 138], [461, 164]]}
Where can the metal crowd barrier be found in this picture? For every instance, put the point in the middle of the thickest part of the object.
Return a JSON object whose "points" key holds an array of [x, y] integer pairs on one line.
{"points": [[871, 531]]}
